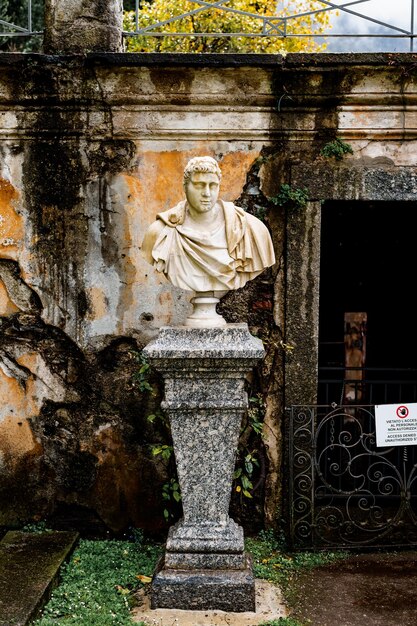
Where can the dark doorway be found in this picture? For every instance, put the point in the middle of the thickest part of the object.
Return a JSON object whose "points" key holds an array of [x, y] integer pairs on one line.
{"points": [[368, 263], [345, 491]]}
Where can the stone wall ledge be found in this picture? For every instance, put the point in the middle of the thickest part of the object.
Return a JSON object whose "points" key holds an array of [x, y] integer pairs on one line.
{"points": [[120, 59]]}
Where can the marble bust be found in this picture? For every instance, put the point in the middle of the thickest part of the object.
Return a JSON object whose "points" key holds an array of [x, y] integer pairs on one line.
{"points": [[205, 244]]}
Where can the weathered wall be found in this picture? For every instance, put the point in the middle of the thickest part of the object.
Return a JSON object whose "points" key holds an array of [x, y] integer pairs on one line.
{"points": [[92, 148]]}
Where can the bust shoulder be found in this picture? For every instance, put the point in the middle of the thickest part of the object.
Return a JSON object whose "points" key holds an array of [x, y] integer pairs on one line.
{"points": [[173, 217], [150, 238]]}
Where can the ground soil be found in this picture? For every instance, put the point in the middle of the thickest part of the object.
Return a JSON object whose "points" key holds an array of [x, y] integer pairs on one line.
{"points": [[374, 589]]}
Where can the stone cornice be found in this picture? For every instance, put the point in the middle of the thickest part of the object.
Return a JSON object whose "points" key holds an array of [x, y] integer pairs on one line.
{"points": [[260, 98]]}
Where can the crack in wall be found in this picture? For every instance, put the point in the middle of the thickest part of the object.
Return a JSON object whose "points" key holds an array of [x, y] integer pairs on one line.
{"points": [[11, 368], [19, 292]]}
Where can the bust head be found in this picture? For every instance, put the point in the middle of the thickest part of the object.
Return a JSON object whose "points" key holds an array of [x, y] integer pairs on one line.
{"points": [[201, 184]]}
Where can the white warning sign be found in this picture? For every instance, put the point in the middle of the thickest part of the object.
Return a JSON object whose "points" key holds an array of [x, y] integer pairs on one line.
{"points": [[396, 424]]}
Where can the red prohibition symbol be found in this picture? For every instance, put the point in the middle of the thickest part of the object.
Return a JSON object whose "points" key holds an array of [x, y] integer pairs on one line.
{"points": [[402, 411]]}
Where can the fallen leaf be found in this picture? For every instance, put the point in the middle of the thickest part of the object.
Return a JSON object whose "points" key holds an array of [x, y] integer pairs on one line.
{"points": [[144, 579]]}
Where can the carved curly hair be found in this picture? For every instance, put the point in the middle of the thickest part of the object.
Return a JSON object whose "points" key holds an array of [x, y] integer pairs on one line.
{"points": [[204, 164]]}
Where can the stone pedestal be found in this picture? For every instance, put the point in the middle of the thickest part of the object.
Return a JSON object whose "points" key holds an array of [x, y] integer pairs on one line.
{"points": [[205, 566]]}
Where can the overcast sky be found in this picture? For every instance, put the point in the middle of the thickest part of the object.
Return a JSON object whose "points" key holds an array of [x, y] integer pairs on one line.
{"points": [[395, 12]]}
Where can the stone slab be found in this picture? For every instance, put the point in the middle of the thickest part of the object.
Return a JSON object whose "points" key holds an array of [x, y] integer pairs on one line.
{"points": [[204, 589], [269, 606], [29, 567]]}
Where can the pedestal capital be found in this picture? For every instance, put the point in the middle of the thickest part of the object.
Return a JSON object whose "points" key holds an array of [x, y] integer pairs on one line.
{"points": [[232, 345]]}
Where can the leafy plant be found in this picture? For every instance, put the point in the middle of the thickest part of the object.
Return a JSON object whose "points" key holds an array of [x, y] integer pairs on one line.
{"points": [[171, 492], [141, 377], [256, 413], [98, 582], [287, 347], [36, 527], [260, 212], [336, 149], [273, 561], [247, 461], [164, 450], [296, 197], [16, 12]]}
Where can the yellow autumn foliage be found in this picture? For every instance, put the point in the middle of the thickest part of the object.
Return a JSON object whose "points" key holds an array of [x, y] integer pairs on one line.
{"points": [[239, 18]]}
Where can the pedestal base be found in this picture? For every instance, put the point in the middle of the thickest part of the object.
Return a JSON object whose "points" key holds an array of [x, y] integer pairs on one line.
{"points": [[204, 589]]}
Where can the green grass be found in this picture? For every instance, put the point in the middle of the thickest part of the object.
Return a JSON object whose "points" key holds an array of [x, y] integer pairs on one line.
{"points": [[97, 584]]}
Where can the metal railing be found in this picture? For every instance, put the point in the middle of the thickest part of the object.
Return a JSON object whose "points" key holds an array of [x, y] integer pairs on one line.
{"points": [[279, 26], [270, 26], [373, 385], [9, 29]]}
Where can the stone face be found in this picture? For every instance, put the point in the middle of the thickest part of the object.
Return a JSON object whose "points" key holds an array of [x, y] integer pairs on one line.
{"points": [[232, 342], [205, 566], [303, 297], [207, 461], [270, 606]]}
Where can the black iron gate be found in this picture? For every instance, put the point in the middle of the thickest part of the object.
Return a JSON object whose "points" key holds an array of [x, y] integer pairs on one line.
{"points": [[343, 490]]}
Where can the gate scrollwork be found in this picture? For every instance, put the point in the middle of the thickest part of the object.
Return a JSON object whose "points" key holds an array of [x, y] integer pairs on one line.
{"points": [[344, 491]]}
